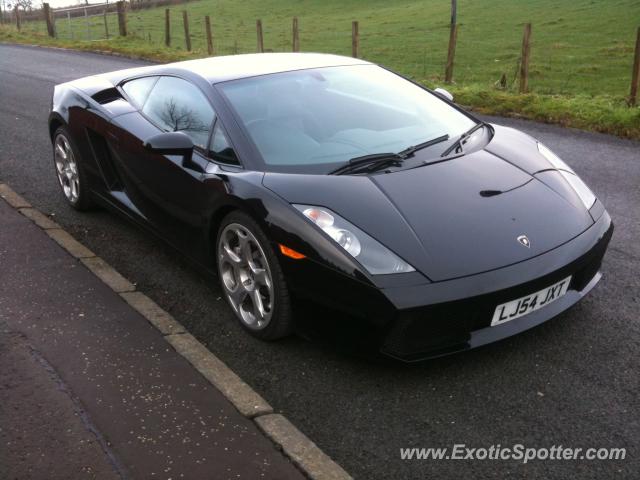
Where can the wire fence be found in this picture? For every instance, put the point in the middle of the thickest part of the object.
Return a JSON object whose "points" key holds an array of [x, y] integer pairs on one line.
{"points": [[557, 65]]}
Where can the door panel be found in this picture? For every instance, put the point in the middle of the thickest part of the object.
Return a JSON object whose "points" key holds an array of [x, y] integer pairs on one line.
{"points": [[168, 195], [167, 191]]}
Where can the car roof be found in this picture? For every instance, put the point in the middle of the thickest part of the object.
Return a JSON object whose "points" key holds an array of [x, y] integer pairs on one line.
{"points": [[233, 67]]}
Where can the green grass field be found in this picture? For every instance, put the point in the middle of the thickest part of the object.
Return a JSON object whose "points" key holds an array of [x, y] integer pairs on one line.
{"points": [[581, 57]]}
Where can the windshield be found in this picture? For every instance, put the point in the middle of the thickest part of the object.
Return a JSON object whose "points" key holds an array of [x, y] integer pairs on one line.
{"points": [[312, 121]]}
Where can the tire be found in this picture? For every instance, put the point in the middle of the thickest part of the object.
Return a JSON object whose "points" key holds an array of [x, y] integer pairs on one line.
{"points": [[251, 278], [69, 168]]}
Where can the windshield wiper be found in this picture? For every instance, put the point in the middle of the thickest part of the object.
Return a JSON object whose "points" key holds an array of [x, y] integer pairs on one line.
{"points": [[378, 161], [369, 163], [407, 152], [458, 143]]}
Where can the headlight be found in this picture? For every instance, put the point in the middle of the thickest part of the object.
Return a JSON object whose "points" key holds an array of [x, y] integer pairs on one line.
{"points": [[374, 256], [585, 194]]}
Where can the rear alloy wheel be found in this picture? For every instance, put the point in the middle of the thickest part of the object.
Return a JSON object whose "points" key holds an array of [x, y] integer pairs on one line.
{"points": [[252, 279], [69, 170]]}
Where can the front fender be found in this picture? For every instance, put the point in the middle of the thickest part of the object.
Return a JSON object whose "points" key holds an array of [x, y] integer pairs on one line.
{"points": [[280, 221]]}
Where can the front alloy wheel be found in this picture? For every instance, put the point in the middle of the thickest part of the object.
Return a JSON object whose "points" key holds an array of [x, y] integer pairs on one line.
{"points": [[251, 278], [246, 276]]}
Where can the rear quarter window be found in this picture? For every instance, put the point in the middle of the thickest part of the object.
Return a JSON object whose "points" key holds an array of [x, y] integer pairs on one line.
{"points": [[138, 90]]}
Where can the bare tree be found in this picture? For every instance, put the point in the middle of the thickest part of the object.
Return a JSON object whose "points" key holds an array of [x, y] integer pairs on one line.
{"points": [[24, 4]]}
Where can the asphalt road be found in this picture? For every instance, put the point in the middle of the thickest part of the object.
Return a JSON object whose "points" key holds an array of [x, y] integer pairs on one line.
{"points": [[572, 381]]}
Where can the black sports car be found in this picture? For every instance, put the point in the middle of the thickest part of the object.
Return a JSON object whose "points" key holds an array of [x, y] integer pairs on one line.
{"points": [[335, 181]]}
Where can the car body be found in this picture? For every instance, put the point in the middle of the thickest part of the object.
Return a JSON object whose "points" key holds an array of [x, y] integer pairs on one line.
{"points": [[498, 218]]}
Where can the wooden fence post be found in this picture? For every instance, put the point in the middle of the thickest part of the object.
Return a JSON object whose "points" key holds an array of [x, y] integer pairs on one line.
{"points": [[355, 40], [17, 18], [106, 25], [69, 24], [454, 12], [296, 38], [635, 74], [453, 38], [122, 18], [207, 28], [87, 24], [47, 18], [524, 61], [187, 37], [260, 37], [167, 27]]}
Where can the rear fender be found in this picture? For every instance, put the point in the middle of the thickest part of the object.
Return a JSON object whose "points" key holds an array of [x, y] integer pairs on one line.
{"points": [[77, 111]]}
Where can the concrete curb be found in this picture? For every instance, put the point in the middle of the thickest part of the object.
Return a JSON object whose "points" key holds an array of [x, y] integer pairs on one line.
{"points": [[12, 198], [70, 244], [38, 218], [108, 275], [305, 454], [246, 400], [153, 313]]}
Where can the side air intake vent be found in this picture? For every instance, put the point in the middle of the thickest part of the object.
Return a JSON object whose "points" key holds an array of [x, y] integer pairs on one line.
{"points": [[104, 157], [107, 96]]}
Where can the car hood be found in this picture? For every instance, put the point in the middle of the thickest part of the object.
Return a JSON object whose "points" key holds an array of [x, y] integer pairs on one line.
{"points": [[458, 217]]}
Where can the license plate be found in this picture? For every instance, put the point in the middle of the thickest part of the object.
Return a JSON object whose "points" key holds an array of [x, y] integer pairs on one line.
{"points": [[523, 305]]}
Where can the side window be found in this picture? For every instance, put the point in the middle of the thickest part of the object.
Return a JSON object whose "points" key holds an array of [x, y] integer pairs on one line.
{"points": [[220, 149], [178, 106], [138, 89]]}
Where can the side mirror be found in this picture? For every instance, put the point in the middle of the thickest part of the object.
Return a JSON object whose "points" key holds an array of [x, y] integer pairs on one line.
{"points": [[441, 92], [170, 143]]}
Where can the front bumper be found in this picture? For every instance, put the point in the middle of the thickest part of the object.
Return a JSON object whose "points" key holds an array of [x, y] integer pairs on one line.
{"points": [[414, 322]]}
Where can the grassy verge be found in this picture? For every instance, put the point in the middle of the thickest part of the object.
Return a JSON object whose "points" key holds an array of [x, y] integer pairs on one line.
{"points": [[594, 112], [125, 46], [597, 113]]}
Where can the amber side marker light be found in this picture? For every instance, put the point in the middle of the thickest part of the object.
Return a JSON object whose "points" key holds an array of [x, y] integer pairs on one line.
{"points": [[290, 252]]}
